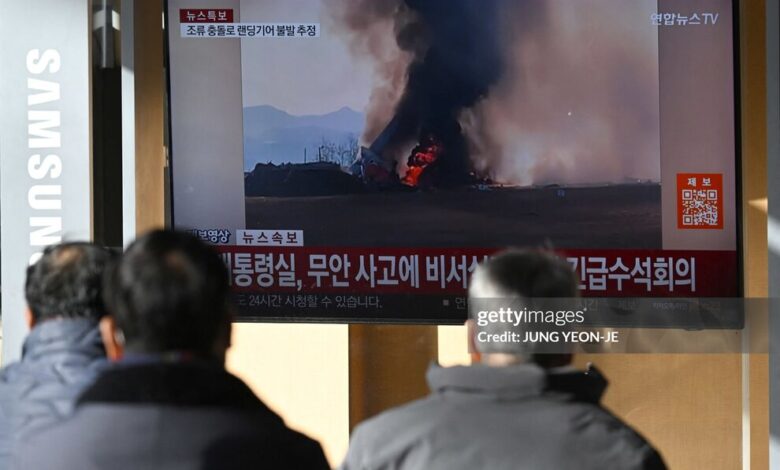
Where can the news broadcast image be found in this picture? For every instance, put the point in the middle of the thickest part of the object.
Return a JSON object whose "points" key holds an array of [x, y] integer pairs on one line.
{"points": [[354, 160]]}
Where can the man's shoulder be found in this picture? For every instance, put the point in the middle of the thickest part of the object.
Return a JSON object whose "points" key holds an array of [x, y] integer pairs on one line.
{"points": [[593, 417], [42, 389], [169, 430], [175, 409], [59, 440], [592, 426], [45, 371], [22, 372], [558, 422], [11, 378], [393, 432], [415, 414]]}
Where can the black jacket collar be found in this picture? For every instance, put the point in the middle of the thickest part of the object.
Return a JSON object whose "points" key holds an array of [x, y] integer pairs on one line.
{"points": [[185, 384], [511, 382], [519, 381], [585, 386]]}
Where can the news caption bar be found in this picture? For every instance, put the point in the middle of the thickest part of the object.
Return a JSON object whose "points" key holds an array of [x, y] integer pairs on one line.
{"points": [[250, 30]]}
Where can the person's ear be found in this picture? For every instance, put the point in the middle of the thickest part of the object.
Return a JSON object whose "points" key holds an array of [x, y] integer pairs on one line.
{"points": [[113, 338], [476, 356], [29, 318]]}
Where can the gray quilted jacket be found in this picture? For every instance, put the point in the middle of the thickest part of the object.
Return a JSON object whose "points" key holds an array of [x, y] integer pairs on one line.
{"points": [[60, 358], [512, 418]]}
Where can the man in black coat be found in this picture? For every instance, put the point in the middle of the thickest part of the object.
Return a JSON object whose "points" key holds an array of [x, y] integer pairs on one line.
{"points": [[63, 352], [169, 403]]}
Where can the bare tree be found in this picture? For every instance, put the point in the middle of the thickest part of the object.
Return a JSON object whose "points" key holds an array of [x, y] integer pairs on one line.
{"points": [[343, 153]]}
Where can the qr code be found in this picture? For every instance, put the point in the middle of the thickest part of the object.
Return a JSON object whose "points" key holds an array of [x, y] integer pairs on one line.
{"points": [[699, 200]]}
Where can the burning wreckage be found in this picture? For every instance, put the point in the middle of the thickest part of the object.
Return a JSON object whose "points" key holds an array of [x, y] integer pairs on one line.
{"points": [[378, 169], [427, 165], [457, 57]]}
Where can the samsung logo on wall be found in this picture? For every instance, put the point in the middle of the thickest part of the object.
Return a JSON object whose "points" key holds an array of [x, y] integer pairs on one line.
{"points": [[44, 141], [45, 149]]}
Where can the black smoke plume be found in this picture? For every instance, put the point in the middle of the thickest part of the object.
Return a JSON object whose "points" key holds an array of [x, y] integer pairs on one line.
{"points": [[521, 92], [463, 59], [453, 57]]}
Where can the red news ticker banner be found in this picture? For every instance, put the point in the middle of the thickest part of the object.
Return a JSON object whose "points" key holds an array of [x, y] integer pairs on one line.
{"points": [[206, 15], [601, 273]]}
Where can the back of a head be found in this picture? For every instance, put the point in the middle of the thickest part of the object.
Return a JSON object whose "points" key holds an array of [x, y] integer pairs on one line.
{"points": [[525, 274], [67, 282], [169, 292], [515, 278]]}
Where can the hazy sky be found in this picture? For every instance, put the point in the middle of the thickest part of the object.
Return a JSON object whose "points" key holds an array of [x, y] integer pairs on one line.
{"points": [[300, 76]]}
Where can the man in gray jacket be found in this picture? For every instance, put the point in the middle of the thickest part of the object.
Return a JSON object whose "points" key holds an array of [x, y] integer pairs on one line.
{"points": [[63, 352], [169, 403], [506, 411]]}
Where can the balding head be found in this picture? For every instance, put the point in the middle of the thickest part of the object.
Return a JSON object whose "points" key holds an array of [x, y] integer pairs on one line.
{"points": [[514, 279], [67, 282]]}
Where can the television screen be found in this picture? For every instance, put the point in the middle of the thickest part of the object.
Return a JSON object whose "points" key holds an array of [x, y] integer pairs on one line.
{"points": [[354, 160]]}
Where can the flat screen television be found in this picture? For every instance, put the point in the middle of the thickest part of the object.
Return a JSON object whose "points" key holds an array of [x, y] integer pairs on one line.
{"points": [[354, 160]]}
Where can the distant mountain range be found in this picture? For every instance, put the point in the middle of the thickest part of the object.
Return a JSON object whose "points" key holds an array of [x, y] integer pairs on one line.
{"points": [[275, 136]]}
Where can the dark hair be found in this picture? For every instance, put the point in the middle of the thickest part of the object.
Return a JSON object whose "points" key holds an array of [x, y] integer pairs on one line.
{"points": [[169, 292], [531, 274], [67, 281]]}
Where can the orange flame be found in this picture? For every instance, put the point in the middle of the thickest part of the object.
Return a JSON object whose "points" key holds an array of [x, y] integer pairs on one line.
{"points": [[423, 155]]}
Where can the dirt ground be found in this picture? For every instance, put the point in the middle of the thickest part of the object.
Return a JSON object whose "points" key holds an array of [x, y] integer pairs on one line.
{"points": [[618, 216]]}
